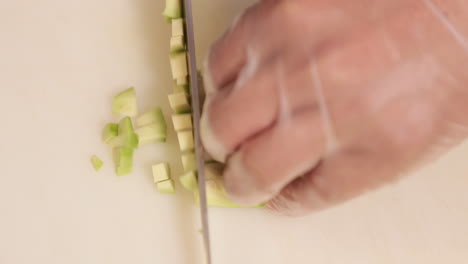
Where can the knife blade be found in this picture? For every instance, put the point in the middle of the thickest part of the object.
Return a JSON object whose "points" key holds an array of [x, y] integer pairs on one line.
{"points": [[199, 152]]}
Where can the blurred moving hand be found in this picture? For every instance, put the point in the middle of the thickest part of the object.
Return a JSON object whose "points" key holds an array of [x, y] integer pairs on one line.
{"points": [[313, 102]]}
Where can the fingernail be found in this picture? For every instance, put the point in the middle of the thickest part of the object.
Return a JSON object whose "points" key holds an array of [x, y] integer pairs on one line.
{"points": [[240, 184], [210, 141], [207, 77]]}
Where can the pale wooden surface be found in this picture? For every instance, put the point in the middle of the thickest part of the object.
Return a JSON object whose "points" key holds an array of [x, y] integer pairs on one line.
{"points": [[60, 63]]}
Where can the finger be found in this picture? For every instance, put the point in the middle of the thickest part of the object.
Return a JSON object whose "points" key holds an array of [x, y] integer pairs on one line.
{"points": [[228, 54], [335, 180], [230, 116], [235, 114], [265, 164], [261, 28], [254, 37]]}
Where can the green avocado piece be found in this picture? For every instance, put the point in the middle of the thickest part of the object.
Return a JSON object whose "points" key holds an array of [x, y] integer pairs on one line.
{"points": [[186, 140], [151, 134], [109, 132], [161, 172], [126, 135], [182, 122], [189, 161], [123, 160], [177, 44], [173, 9], [96, 162], [154, 116], [166, 186], [125, 103], [189, 181], [215, 193], [178, 27], [180, 102], [178, 63]]}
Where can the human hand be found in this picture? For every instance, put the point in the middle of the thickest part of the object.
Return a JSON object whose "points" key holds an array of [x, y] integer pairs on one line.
{"points": [[313, 102]]}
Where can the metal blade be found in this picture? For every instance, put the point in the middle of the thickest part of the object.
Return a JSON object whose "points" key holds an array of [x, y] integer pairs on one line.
{"points": [[196, 120]]}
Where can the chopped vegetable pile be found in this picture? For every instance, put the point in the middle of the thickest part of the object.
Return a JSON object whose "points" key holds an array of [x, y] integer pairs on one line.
{"points": [[135, 130]]}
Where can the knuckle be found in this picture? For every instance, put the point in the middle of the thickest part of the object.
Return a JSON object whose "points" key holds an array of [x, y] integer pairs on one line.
{"points": [[261, 179]]}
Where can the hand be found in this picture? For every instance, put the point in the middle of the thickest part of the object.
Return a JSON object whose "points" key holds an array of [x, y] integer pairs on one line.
{"points": [[313, 102]]}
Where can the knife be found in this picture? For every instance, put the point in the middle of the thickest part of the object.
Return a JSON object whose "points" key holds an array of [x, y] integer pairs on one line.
{"points": [[192, 64]]}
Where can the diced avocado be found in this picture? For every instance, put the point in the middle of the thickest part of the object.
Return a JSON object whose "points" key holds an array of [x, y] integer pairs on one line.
{"points": [[109, 132], [215, 192], [97, 162], [173, 9], [177, 44], [179, 65], [126, 141], [154, 116], [125, 103], [151, 134], [126, 126], [123, 159], [178, 27], [189, 161], [166, 186], [126, 135], [182, 89], [161, 172], [182, 122], [186, 142], [179, 102], [181, 85], [215, 195], [189, 181], [182, 81]]}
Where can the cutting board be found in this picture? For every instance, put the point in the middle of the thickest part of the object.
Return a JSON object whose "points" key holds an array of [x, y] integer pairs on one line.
{"points": [[60, 64]]}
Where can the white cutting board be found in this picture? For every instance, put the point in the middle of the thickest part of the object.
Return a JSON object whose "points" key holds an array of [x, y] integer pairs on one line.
{"points": [[60, 64]]}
